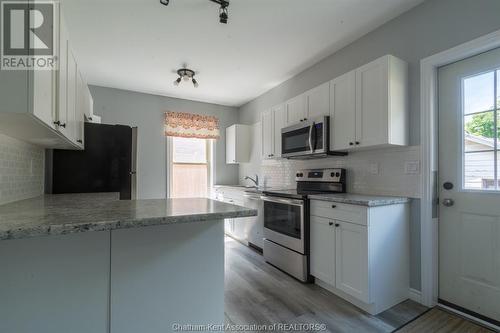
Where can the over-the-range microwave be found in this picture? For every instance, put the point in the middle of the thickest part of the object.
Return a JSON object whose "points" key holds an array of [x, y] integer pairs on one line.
{"points": [[307, 139]]}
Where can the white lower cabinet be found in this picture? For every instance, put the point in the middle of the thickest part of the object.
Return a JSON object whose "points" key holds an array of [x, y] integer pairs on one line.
{"points": [[361, 253], [323, 249], [351, 257], [245, 229]]}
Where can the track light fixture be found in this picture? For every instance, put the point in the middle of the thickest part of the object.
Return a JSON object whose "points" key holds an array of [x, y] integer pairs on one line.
{"points": [[186, 74], [223, 12]]}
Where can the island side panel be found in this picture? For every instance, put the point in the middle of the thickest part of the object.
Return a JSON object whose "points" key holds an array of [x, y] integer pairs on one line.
{"points": [[166, 275], [55, 284]]}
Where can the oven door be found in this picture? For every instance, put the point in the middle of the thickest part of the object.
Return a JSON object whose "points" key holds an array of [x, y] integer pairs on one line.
{"points": [[284, 222]]}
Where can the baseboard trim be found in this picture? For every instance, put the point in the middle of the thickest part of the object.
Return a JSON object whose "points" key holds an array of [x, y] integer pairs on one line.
{"points": [[415, 295]]}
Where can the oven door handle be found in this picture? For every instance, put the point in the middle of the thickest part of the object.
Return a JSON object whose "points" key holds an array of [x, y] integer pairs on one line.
{"points": [[292, 202]]}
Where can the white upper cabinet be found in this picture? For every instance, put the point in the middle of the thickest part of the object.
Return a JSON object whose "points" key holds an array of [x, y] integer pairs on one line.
{"points": [[82, 104], [267, 132], [41, 106], [72, 86], [369, 106], [272, 121], [278, 123], [237, 144], [296, 110], [318, 101], [382, 103], [44, 97], [343, 112], [62, 78]]}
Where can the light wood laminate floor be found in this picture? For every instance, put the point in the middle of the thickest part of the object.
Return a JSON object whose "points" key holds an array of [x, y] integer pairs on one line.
{"points": [[259, 294]]}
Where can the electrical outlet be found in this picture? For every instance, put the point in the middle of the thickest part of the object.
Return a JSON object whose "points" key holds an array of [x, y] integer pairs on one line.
{"points": [[412, 167], [374, 168]]}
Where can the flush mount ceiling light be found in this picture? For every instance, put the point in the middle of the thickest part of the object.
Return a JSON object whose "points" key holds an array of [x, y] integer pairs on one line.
{"points": [[185, 74], [223, 13]]}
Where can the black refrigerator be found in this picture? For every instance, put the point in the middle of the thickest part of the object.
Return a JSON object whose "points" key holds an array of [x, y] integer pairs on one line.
{"points": [[108, 163]]}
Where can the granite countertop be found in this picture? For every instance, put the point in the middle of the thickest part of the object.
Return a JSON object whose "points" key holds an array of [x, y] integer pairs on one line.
{"points": [[248, 189], [360, 199], [72, 213]]}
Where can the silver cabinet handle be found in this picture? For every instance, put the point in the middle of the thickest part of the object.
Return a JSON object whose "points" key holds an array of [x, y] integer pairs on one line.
{"points": [[448, 202]]}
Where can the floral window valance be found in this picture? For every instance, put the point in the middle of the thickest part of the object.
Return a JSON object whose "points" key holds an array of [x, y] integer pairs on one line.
{"points": [[189, 125]]}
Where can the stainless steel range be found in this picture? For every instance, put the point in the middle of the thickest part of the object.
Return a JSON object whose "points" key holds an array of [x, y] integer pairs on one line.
{"points": [[286, 219]]}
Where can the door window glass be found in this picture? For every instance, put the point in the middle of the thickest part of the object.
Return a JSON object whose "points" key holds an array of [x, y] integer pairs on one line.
{"points": [[481, 131]]}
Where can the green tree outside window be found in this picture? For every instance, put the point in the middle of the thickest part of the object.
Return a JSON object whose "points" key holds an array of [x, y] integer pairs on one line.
{"points": [[483, 124]]}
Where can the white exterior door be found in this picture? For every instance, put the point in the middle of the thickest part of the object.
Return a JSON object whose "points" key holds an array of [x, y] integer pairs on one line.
{"points": [[469, 213]]}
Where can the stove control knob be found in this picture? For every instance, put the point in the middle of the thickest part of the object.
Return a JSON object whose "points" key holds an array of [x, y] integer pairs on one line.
{"points": [[337, 174], [332, 174], [298, 175]]}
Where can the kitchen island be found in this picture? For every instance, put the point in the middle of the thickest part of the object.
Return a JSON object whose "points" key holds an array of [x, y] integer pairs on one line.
{"points": [[92, 263]]}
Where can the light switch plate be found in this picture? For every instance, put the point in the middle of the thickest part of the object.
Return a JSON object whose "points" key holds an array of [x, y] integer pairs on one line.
{"points": [[412, 167]]}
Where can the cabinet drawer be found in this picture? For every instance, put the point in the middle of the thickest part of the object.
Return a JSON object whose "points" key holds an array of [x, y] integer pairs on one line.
{"points": [[338, 211]]}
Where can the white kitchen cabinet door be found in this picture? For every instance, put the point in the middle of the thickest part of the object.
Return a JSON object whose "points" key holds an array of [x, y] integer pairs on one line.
{"points": [[231, 144], [343, 112], [322, 242], [372, 103], [296, 110], [267, 124], [62, 79], [72, 83], [278, 123], [44, 97], [237, 144], [90, 103], [318, 101], [81, 106], [351, 264]]}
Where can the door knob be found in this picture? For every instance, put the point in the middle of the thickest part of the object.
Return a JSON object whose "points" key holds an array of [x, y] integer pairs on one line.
{"points": [[448, 202]]}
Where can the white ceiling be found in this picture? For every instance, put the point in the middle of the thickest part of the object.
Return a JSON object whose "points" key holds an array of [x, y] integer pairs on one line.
{"points": [[138, 44]]}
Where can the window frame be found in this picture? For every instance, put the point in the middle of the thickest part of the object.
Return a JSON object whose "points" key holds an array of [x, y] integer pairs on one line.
{"points": [[169, 144], [495, 149]]}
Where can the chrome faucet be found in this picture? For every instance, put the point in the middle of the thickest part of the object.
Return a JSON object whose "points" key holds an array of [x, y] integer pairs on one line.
{"points": [[256, 180]]}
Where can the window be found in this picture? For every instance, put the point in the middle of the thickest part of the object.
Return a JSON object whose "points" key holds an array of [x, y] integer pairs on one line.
{"points": [[189, 167], [481, 101]]}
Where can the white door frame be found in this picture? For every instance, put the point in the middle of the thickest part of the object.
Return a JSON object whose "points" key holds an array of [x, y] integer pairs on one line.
{"points": [[429, 155]]}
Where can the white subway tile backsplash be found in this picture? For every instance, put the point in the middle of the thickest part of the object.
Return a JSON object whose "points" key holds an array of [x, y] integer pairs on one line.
{"points": [[21, 170], [390, 177]]}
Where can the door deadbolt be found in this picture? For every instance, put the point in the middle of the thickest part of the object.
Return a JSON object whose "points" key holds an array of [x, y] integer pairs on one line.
{"points": [[448, 185]]}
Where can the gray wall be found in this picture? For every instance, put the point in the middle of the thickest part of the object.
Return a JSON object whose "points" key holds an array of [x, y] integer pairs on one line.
{"points": [[147, 113], [429, 28]]}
